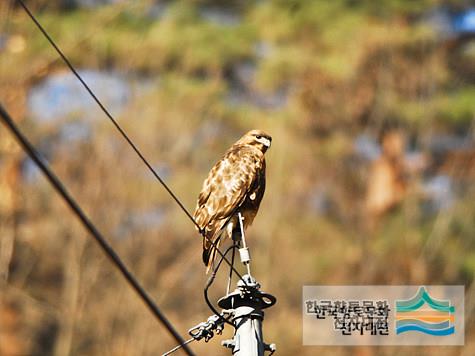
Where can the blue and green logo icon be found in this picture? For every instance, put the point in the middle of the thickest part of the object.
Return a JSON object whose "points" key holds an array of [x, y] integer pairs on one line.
{"points": [[424, 314]]}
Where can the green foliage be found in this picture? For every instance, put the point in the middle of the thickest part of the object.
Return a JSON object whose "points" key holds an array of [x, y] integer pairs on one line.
{"points": [[457, 108]]}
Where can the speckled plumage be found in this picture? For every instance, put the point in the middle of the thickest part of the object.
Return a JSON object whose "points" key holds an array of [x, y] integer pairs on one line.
{"points": [[235, 183]]}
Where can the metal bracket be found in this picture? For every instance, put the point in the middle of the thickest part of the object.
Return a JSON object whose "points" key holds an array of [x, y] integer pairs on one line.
{"points": [[207, 328]]}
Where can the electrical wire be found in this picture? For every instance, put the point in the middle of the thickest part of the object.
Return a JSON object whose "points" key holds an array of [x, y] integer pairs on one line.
{"points": [[210, 305], [108, 250], [177, 347], [124, 134], [106, 112], [230, 277], [210, 282]]}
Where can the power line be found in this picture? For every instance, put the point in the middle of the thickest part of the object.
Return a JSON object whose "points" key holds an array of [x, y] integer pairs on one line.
{"points": [[108, 250], [177, 347], [124, 135], [210, 281], [104, 109]]}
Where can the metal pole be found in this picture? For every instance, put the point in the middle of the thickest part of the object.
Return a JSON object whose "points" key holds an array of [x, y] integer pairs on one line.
{"points": [[246, 304], [248, 338]]}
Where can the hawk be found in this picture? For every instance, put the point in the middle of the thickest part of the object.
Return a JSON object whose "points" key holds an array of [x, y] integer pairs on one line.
{"points": [[235, 184]]}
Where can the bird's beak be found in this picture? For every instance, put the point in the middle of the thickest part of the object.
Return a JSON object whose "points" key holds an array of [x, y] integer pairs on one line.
{"points": [[266, 142]]}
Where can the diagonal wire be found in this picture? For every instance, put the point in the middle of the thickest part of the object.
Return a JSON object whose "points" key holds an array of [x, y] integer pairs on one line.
{"points": [[124, 134], [177, 347], [108, 250], [104, 109]]}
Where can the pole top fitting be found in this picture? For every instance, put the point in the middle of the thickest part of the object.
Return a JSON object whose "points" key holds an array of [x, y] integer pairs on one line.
{"points": [[247, 294], [248, 282]]}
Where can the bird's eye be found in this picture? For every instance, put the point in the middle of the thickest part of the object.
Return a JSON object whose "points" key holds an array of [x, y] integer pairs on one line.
{"points": [[258, 137]]}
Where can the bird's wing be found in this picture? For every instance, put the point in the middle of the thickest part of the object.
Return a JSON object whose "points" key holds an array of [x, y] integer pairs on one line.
{"points": [[225, 189]]}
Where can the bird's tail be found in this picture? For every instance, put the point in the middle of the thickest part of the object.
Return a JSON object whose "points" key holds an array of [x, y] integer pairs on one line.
{"points": [[209, 253]]}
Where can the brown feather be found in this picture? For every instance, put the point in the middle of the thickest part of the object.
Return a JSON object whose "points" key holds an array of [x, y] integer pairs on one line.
{"points": [[235, 183]]}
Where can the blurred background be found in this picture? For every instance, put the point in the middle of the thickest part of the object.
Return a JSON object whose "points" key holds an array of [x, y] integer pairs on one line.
{"points": [[370, 176]]}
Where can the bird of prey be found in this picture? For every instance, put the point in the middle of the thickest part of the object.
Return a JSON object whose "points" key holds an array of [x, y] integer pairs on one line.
{"points": [[234, 185]]}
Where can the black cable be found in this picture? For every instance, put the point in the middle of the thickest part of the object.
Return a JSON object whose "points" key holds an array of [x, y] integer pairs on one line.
{"points": [[108, 250], [210, 281], [122, 132], [103, 108], [230, 264], [232, 259]]}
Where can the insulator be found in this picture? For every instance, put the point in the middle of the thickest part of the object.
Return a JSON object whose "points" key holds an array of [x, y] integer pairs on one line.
{"points": [[244, 254]]}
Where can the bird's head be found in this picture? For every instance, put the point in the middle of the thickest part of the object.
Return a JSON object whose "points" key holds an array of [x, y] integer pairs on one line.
{"points": [[256, 138]]}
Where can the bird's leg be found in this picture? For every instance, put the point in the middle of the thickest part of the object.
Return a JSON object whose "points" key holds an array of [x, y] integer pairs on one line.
{"points": [[244, 252]]}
